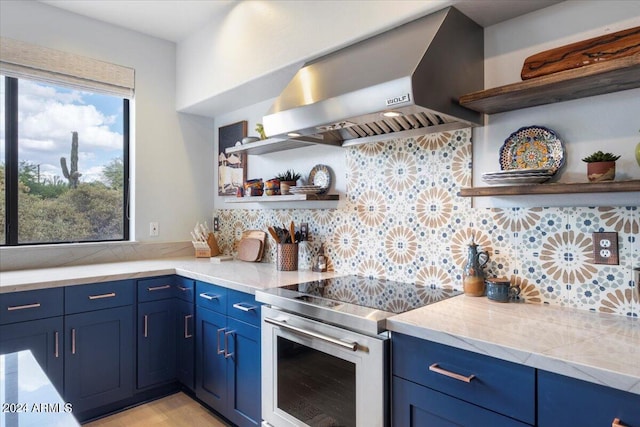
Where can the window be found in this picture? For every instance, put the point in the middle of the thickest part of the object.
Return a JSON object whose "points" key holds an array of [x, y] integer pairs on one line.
{"points": [[64, 164], [64, 144]]}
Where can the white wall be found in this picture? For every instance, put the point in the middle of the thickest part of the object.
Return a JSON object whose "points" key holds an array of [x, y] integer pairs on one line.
{"points": [[258, 38], [607, 122], [172, 153]]}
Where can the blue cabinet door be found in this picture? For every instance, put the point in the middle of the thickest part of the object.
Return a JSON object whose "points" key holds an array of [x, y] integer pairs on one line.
{"points": [[564, 401], [243, 373], [185, 343], [156, 343], [418, 406], [98, 357], [44, 339], [211, 379]]}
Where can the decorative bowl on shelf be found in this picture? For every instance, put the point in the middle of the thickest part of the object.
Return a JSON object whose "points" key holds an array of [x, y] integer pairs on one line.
{"points": [[253, 187]]}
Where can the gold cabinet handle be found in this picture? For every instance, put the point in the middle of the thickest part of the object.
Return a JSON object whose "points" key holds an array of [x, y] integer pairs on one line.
{"points": [[158, 288], [220, 351], [73, 341], [109, 295], [617, 423], [186, 326], [23, 307], [146, 324], [435, 368], [56, 336]]}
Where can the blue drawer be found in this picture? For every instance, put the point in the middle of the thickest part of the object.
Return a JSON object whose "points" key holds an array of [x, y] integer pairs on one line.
{"points": [[156, 288], [244, 307], [97, 296], [212, 297], [184, 288], [501, 386], [564, 401], [30, 305]]}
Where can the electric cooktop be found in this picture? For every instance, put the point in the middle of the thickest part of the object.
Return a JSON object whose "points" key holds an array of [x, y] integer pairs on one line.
{"points": [[355, 302]]}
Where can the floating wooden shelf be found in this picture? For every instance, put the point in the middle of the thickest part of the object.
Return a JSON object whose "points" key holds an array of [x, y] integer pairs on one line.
{"points": [[269, 145], [595, 79], [284, 198], [554, 188]]}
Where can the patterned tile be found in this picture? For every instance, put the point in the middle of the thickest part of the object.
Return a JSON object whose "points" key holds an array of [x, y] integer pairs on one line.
{"points": [[402, 219]]}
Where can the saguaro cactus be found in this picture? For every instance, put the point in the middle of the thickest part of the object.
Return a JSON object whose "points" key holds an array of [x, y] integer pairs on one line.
{"points": [[72, 175]]}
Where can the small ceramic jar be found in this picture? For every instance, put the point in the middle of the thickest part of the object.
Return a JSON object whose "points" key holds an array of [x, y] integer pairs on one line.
{"points": [[499, 289]]}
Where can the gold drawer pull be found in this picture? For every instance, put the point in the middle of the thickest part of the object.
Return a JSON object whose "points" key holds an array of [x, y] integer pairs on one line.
{"points": [[435, 368], [158, 288], [616, 423], [109, 295], [22, 307]]}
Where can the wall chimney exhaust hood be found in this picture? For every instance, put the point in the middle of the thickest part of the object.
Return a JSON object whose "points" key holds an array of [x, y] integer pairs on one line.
{"points": [[404, 82]]}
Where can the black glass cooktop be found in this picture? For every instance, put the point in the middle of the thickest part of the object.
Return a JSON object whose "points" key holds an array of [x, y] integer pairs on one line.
{"points": [[380, 294]]}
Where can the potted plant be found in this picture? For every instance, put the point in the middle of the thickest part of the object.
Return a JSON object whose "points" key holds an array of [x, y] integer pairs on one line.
{"points": [[287, 179], [601, 166]]}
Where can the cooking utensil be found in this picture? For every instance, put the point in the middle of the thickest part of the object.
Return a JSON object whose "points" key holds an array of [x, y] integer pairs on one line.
{"points": [[292, 232], [273, 234]]}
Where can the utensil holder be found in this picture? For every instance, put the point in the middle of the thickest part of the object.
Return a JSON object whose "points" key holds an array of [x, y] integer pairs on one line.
{"points": [[287, 256]]}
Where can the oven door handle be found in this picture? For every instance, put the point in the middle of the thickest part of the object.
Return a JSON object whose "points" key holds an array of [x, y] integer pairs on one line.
{"points": [[353, 346]]}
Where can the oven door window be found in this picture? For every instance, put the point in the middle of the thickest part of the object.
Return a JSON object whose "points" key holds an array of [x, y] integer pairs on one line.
{"points": [[315, 387]]}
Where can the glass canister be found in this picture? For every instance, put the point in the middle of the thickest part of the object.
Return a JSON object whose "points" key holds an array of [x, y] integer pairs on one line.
{"points": [[473, 273]]}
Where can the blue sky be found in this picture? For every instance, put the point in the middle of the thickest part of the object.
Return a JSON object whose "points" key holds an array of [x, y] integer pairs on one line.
{"points": [[47, 116]]}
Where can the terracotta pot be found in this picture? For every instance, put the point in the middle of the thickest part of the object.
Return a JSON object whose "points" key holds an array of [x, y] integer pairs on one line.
{"points": [[601, 171], [285, 185]]}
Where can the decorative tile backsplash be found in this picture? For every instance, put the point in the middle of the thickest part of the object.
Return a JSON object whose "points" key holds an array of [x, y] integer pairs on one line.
{"points": [[403, 220]]}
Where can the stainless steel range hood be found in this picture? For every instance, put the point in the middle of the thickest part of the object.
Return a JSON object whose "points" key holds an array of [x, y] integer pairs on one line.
{"points": [[416, 71]]}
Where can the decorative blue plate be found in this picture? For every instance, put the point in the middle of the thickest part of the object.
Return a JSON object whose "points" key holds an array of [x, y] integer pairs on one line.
{"points": [[532, 147]]}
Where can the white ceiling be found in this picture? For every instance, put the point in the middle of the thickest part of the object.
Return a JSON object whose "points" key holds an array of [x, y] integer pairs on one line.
{"points": [[174, 20]]}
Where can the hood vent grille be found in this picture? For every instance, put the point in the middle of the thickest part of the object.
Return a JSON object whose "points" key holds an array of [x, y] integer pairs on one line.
{"points": [[395, 124]]}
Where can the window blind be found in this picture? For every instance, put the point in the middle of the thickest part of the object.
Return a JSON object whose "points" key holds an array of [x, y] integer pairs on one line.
{"points": [[24, 60]]}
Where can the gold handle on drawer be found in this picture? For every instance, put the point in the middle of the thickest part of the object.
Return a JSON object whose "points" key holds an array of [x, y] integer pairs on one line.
{"points": [[22, 307], [56, 336], [158, 288], [146, 324], [73, 341], [617, 423], [109, 295], [186, 326], [435, 368]]}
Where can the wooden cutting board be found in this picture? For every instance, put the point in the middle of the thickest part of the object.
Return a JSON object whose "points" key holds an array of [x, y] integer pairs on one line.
{"points": [[610, 46], [249, 249], [259, 235]]}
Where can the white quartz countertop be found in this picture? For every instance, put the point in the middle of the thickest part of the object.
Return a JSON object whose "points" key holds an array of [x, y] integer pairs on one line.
{"points": [[239, 275], [596, 347]]}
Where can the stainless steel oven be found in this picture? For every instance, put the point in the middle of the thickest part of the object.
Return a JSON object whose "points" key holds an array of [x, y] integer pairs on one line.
{"points": [[325, 350], [320, 375]]}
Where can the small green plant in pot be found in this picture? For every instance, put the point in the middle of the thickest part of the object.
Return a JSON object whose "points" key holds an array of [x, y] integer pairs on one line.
{"points": [[287, 179], [601, 166]]}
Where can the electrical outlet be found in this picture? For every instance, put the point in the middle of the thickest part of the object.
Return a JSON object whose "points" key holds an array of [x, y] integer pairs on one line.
{"points": [[304, 232], [605, 248], [216, 224], [153, 229]]}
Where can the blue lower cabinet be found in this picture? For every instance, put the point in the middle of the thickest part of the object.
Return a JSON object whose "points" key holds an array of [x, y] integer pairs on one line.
{"points": [[228, 356], [564, 401], [44, 338], [156, 343], [243, 373], [98, 357], [185, 343], [211, 365], [418, 406]]}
